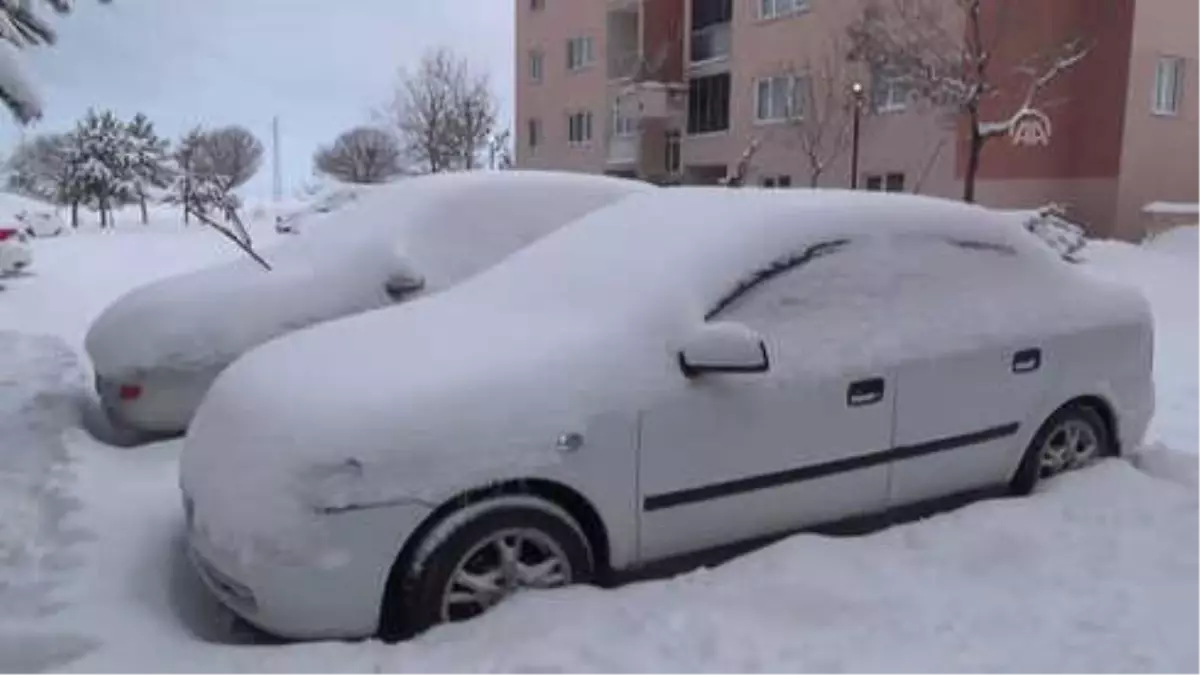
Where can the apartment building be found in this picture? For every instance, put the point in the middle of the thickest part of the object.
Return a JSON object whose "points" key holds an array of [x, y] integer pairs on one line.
{"points": [[675, 91]]}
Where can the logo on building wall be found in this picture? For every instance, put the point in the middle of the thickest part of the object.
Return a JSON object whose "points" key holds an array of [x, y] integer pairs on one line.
{"points": [[1032, 129]]}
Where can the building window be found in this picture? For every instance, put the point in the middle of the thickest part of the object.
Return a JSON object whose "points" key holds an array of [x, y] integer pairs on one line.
{"points": [[774, 9], [775, 98], [782, 181], [622, 125], [892, 182], [1168, 85], [580, 53], [889, 93], [537, 5], [579, 127], [537, 65], [535, 133], [674, 152], [708, 104]]}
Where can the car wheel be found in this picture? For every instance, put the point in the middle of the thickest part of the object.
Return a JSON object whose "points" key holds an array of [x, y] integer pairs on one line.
{"points": [[488, 553], [1074, 436]]}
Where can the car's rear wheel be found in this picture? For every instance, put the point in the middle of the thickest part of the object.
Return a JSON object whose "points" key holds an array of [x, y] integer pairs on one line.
{"points": [[1074, 436], [477, 560]]}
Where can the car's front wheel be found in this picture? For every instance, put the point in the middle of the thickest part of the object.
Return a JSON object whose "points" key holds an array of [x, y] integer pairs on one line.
{"points": [[490, 551], [1074, 436]]}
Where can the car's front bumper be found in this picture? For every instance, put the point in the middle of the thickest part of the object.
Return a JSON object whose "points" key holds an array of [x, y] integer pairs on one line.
{"points": [[335, 593]]}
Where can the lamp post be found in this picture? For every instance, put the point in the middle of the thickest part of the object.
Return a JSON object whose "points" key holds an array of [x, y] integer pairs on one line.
{"points": [[856, 91]]}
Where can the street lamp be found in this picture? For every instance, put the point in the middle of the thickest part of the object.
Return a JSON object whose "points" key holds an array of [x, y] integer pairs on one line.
{"points": [[856, 91]]}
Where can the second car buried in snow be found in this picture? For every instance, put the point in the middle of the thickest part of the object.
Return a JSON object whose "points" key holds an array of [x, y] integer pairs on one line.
{"points": [[157, 349], [681, 370]]}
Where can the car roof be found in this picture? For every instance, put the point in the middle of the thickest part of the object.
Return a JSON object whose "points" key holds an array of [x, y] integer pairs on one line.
{"points": [[700, 242]]}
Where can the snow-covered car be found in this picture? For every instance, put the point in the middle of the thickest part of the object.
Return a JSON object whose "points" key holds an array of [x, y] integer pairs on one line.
{"points": [[679, 371], [157, 349], [15, 255], [42, 224]]}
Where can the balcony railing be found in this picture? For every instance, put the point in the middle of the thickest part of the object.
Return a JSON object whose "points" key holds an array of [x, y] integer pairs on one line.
{"points": [[712, 42]]}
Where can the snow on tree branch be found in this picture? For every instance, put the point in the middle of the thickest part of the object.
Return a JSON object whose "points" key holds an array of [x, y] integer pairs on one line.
{"points": [[21, 27], [944, 54], [1072, 53]]}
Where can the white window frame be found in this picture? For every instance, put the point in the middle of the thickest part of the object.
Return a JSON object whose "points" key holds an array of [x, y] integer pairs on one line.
{"points": [[579, 127], [581, 52], [896, 99], [778, 9], [1169, 73], [623, 126], [793, 105]]}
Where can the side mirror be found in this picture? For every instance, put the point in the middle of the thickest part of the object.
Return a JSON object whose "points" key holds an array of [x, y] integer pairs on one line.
{"points": [[724, 348]]}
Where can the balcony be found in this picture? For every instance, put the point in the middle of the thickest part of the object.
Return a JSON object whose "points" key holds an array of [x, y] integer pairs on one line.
{"points": [[652, 101], [623, 65], [711, 43], [623, 149]]}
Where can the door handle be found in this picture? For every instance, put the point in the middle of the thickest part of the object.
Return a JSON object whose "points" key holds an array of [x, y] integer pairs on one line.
{"points": [[1027, 360], [865, 392]]}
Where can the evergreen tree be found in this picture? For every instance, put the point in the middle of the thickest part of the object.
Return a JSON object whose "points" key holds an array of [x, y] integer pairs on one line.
{"points": [[149, 161], [102, 159]]}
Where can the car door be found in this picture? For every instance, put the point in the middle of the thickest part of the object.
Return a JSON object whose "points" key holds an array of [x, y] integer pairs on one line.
{"points": [[735, 456], [960, 411]]}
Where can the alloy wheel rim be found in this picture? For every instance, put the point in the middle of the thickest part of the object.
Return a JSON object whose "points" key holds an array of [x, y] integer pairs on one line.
{"points": [[1068, 446], [505, 563]]}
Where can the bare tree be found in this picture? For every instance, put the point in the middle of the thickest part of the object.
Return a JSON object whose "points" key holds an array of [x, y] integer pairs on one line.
{"points": [[233, 154], [946, 59], [42, 169], [823, 115], [361, 155], [735, 176], [443, 113]]}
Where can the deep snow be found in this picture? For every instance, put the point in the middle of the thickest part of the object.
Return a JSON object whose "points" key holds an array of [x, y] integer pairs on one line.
{"points": [[1096, 572]]}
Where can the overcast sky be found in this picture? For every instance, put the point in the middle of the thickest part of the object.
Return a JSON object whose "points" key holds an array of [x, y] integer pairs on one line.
{"points": [[321, 65]]}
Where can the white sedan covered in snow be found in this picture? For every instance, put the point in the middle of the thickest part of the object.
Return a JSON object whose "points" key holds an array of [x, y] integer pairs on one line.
{"points": [[679, 371], [157, 350], [15, 255]]}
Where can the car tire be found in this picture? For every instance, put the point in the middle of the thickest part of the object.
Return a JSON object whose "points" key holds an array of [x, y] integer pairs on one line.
{"points": [[467, 546], [1075, 435]]}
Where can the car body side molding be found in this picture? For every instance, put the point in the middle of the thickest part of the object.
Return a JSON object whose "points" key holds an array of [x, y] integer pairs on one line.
{"points": [[766, 481]]}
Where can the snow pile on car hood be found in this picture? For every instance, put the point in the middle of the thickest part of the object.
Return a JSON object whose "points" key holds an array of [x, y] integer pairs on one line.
{"points": [[478, 381]]}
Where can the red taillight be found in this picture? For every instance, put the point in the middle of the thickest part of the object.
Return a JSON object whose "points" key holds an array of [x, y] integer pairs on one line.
{"points": [[7, 233], [130, 392]]}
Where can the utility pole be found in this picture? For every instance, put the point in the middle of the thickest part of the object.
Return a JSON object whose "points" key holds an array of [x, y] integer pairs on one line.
{"points": [[277, 175]]}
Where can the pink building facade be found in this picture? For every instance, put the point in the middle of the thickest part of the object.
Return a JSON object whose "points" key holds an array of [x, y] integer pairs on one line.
{"points": [[675, 91]]}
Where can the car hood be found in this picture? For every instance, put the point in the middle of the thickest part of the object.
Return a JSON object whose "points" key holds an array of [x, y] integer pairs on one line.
{"points": [[404, 402], [208, 318]]}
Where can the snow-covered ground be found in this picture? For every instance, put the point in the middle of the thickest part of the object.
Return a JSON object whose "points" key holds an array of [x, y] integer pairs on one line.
{"points": [[1096, 572]]}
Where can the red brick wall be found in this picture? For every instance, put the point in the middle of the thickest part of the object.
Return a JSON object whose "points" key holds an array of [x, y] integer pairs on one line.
{"points": [[1086, 105]]}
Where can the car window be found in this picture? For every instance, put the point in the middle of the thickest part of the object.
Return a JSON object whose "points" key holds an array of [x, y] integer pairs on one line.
{"points": [[874, 277], [768, 282]]}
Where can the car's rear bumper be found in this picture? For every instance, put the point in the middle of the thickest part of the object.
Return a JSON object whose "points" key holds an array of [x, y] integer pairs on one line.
{"points": [[165, 405], [14, 258]]}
